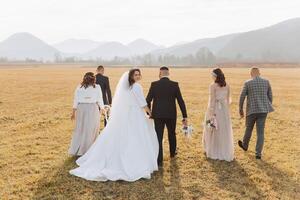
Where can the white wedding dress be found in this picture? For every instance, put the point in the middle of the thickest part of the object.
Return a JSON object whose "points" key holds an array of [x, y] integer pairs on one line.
{"points": [[127, 148]]}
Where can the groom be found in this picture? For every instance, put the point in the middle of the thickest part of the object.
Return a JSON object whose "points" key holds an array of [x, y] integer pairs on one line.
{"points": [[164, 93], [259, 103], [103, 81]]}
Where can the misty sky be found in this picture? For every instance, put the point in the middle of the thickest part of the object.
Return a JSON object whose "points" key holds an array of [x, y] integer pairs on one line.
{"points": [[161, 21]]}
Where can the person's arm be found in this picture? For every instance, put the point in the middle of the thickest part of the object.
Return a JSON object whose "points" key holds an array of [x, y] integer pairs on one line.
{"points": [[229, 96], [212, 100], [270, 93], [181, 103], [108, 92], [137, 91], [243, 95], [75, 104], [150, 96], [99, 98]]}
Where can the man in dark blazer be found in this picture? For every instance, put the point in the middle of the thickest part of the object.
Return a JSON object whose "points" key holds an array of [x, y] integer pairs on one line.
{"points": [[163, 95], [103, 81]]}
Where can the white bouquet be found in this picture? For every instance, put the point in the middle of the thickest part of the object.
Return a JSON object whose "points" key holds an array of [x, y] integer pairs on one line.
{"points": [[188, 130]]}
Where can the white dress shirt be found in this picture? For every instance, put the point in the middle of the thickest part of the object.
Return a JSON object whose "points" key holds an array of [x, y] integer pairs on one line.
{"points": [[88, 95]]}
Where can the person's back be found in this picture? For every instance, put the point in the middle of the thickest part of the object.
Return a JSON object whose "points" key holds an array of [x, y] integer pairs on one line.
{"points": [[163, 95], [103, 81], [217, 135], [259, 96], [259, 103], [164, 98]]}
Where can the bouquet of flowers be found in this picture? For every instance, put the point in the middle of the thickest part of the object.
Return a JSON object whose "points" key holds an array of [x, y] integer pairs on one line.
{"points": [[187, 130], [107, 112], [212, 123]]}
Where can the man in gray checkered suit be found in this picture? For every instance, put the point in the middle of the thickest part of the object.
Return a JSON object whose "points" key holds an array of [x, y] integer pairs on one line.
{"points": [[259, 103]]}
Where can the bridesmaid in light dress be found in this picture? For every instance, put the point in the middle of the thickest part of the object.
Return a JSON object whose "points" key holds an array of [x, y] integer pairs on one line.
{"points": [[87, 105], [218, 142]]}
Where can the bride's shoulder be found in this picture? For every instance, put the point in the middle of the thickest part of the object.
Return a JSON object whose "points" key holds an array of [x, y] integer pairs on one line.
{"points": [[137, 85]]}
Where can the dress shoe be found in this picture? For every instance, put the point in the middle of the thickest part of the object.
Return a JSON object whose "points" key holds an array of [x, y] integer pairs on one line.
{"points": [[173, 155], [160, 164], [240, 143], [258, 157]]}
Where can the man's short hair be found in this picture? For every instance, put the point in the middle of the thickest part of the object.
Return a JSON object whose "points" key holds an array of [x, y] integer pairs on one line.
{"points": [[100, 67], [164, 68]]}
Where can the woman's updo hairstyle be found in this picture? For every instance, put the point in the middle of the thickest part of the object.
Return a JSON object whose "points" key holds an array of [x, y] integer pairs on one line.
{"points": [[89, 79]]}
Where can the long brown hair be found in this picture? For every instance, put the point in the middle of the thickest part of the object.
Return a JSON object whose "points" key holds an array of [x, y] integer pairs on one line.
{"points": [[220, 77], [88, 80], [131, 74]]}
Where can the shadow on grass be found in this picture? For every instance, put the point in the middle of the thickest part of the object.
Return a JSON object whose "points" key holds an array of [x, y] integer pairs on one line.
{"points": [[61, 185], [283, 183], [231, 176]]}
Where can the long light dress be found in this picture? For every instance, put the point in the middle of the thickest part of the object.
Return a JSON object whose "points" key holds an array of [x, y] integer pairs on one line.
{"points": [[218, 143], [87, 102]]}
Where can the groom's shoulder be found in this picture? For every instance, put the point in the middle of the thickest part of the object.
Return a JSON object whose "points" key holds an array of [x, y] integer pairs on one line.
{"points": [[154, 83], [99, 76]]}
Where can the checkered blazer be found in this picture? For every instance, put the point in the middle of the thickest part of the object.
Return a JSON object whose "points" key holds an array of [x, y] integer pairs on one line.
{"points": [[259, 96]]}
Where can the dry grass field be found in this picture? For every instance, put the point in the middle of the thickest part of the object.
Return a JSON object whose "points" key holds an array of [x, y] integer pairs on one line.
{"points": [[35, 131]]}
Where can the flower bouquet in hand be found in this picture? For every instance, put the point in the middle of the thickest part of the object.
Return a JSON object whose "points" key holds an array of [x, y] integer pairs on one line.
{"points": [[212, 123], [107, 109], [187, 129]]}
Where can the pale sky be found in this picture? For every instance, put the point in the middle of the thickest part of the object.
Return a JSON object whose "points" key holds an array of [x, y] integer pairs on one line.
{"points": [[163, 22]]}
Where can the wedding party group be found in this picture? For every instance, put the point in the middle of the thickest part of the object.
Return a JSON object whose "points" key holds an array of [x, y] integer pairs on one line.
{"points": [[130, 146]]}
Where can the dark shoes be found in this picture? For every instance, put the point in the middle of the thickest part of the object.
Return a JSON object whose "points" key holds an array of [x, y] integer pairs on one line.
{"points": [[173, 155], [240, 143], [160, 164]]}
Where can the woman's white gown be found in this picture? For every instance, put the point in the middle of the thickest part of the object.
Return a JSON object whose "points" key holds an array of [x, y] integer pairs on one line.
{"points": [[127, 148]]}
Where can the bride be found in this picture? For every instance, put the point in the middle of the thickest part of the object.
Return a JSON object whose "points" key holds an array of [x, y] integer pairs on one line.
{"points": [[127, 148]]}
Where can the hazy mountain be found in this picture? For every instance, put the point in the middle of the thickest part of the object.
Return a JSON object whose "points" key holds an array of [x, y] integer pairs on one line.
{"points": [[77, 46], [109, 50], [141, 46], [280, 42], [21, 46], [213, 44]]}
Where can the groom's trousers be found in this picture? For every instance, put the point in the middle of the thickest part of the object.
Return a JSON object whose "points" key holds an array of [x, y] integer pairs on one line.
{"points": [[259, 119], [159, 128]]}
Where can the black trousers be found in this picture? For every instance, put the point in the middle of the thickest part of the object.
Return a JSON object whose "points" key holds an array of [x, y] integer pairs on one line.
{"points": [[159, 128]]}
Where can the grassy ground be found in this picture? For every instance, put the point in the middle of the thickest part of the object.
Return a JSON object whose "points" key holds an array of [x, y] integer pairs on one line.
{"points": [[35, 132]]}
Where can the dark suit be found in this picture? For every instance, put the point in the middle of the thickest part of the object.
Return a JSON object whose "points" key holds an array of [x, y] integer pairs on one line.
{"points": [[164, 94], [103, 81]]}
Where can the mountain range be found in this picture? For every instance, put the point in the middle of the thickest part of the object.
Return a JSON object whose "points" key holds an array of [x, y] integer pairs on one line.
{"points": [[276, 43]]}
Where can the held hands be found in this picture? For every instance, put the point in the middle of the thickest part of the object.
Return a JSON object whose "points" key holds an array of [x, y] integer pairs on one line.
{"points": [[148, 111], [149, 114]]}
